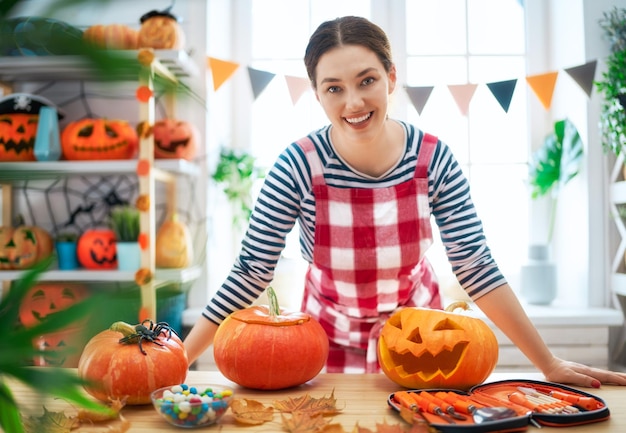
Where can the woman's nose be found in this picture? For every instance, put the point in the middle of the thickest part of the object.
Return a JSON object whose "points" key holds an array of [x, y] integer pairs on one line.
{"points": [[354, 100]]}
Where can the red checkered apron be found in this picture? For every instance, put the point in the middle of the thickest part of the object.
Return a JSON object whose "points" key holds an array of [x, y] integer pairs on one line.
{"points": [[368, 259]]}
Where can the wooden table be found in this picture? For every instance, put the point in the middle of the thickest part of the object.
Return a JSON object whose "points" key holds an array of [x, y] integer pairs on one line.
{"points": [[361, 398]]}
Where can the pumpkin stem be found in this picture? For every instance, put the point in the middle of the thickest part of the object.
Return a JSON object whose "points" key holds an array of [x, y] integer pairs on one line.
{"points": [[123, 327], [458, 304], [274, 305]]}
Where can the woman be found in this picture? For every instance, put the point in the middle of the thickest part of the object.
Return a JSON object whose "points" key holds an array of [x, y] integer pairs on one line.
{"points": [[363, 189]]}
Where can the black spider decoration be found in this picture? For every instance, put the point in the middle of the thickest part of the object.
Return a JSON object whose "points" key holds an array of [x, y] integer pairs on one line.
{"points": [[148, 334]]}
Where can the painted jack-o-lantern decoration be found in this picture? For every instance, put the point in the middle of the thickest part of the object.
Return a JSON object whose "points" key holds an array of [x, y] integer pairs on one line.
{"points": [[47, 298], [175, 139], [17, 136], [23, 246], [99, 139], [160, 30], [62, 348], [423, 348], [97, 249], [173, 245]]}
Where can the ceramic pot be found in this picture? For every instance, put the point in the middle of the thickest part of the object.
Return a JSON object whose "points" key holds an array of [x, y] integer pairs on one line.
{"points": [[538, 276], [128, 256]]}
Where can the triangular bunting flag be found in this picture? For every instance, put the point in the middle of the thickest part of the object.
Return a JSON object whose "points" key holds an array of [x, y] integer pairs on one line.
{"points": [[221, 70], [419, 96], [543, 86], [503, 92], [297, 86], [259, 80], [462, 94], [584, 75]]}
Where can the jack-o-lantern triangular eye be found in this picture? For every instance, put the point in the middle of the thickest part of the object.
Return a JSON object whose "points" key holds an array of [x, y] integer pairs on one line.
{"points": [[447, 325]]}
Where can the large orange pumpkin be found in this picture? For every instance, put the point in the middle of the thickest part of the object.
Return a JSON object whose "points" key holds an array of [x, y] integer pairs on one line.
{"points": [[23, 246], [174, 246], [118, 364], [99, 139], [424, 348], [175, 139], [17, 136], [264, 347], [97, 249]]}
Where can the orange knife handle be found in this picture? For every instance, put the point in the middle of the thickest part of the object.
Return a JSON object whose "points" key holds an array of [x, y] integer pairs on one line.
{"points": [[520, 399], [405, 399], [458, 404], [584, 402]]}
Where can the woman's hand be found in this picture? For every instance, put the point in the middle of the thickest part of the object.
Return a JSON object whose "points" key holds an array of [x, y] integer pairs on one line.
{"points": [[576, 374]]}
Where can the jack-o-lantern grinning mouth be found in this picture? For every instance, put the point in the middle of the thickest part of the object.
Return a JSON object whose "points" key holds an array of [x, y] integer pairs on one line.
{"points": [[173, 145]]}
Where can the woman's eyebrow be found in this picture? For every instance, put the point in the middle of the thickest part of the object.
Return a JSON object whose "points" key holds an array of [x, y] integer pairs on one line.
{"points": [[360, 74]]}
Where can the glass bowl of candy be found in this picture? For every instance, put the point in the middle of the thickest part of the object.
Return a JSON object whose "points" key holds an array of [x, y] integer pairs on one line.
{"points": [[192, 406]]}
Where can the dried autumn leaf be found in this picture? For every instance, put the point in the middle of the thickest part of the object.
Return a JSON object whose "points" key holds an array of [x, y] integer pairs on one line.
{"points": [[359, 429], [303, 422], [85, 415], [247, 411], [324, 406], [332, 428], [389, 428], [50, 422]]}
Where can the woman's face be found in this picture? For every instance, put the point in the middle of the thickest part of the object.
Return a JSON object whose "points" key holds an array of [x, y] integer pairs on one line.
{"points": [[353, 89]]}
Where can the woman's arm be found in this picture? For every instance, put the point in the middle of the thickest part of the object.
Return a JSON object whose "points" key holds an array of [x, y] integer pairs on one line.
{"points": [[504, 310], [199, 338]]}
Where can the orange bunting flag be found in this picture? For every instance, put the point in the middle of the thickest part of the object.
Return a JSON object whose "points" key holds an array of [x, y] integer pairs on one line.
{"points": [[419, 96], [543, 87], [297, 86], [221, 70], [462, 94]]}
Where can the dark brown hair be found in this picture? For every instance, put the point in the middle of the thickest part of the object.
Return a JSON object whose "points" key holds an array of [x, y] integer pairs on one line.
{"points": [[349, 30]]}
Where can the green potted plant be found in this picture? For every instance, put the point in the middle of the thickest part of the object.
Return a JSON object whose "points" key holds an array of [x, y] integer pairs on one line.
{"points": [[236, 171], [124, 221], [65, 245], [551, 167], [613, 83]]}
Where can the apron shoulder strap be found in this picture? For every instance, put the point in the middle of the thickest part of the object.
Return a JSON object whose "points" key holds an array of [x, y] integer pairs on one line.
{"points": [[310, 152], [427, 147]]}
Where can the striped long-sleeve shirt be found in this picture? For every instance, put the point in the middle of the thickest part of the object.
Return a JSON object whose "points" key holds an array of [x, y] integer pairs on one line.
{"points": [[287, 197]]}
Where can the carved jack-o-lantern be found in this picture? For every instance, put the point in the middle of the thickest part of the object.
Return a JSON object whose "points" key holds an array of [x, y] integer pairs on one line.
{"points": [[97, 249], [99, 139], [160, 30], [423, 348], [175, 139], [17, 136], [61, 349], [47, 298], [173, 245], [24, 246]]}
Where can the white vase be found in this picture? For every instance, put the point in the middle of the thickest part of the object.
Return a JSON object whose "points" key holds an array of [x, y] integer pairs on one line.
{"points": [[538, 276], [128, 256]]}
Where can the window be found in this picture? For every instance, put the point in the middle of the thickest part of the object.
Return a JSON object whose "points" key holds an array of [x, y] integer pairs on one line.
{"points": [[435, 44]]}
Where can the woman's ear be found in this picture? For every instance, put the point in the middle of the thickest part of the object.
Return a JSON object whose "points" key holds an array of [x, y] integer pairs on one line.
{"points": [[392, 76]]}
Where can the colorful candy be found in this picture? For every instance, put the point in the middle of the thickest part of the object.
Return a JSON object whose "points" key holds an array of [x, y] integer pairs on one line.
{"points": [[188, 406]]}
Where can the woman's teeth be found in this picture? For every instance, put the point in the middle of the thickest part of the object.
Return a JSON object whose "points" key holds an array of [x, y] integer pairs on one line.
{"points": [[359, 119]]}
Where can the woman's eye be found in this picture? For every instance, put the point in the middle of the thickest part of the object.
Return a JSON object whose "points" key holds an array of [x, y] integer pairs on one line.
{"points": [[333, 89], [367, 81]]}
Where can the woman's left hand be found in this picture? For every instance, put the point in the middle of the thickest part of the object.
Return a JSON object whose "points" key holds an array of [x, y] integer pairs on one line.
{"points": [[576, 374]]}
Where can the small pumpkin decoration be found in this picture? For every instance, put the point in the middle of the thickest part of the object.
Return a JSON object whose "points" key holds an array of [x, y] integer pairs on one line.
{"points": [[160, 30], [99, 139], [425, 348], [60, 349], [174, 246], [17, 136], [112, 36], [264, 347], [175, 139], [130, 362], [97, 249], [23, 246]]}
